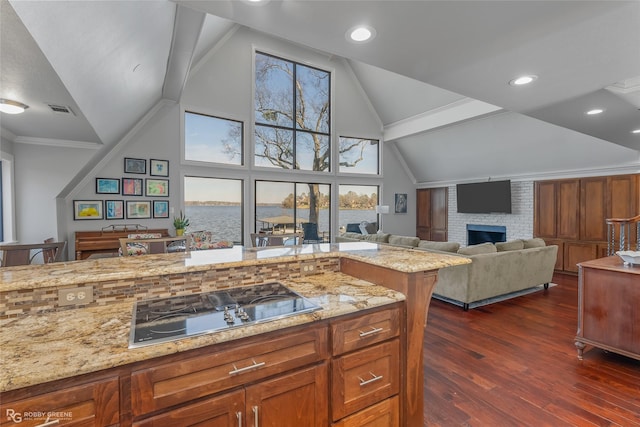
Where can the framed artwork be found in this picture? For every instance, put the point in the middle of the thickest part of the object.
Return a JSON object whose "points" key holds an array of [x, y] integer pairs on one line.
{"points": [[132, 186], [87, 209], [107, 186], [114, 209], [158, 167], [137, 209], [135, 165], [157, 187], [401, 203], [160, 209]]}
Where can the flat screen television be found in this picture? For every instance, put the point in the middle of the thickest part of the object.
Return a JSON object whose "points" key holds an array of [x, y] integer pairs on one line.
{"points": [[484, 197]]}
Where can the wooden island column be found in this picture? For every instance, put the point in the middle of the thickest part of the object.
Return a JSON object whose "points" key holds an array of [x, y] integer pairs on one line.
{"points": [[418, 288]]}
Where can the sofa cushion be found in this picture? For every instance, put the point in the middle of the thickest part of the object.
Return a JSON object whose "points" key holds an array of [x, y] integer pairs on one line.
{"points": [[439, 246], [404, 241], [513, 245], [534, 243], [482, 248], [352, 235], [377, 237], [353, 228]]}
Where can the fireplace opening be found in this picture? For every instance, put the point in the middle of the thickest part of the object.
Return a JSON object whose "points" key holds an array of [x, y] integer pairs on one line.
{"points": [[477, 234]]}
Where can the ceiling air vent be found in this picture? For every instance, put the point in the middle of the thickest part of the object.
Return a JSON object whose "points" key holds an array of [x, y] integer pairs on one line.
{"points": [[61, 109]]}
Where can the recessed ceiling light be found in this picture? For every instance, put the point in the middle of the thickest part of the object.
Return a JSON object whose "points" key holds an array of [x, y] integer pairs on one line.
{"points": [[523, 80], [361, 34], [635, 131], [12, 107], [594, 112]]}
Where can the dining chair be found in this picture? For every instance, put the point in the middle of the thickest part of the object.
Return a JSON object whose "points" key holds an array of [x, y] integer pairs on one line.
{"points": [[310, 231], [155, 245], [279, 239], [21, 254]]}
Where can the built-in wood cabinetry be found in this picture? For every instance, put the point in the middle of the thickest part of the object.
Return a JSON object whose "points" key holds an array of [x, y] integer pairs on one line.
{"points": [[571, 213], [338, 372], [432, 213]]}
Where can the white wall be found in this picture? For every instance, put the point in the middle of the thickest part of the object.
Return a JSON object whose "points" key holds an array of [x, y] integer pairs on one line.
{"points": [[40, 173], [519, 222]]}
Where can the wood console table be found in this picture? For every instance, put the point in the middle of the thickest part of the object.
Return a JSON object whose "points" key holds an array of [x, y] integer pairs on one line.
{"points": [[608, 301]]}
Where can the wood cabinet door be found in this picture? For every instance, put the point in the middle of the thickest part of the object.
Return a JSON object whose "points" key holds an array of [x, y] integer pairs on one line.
{"points": [[222, 411], [544, 216], [559, 266], [593, 209], [293, 400], [439, 214], [624, 195], [576, 252], [568, 213], [423, 214], [93, 404]]}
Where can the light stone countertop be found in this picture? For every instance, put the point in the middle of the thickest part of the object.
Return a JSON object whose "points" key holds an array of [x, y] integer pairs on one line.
{"points": [[46, 347], [119, 268]]}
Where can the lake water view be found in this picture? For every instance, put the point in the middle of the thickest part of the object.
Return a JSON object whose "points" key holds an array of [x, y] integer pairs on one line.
{"points": [[225, 222]]}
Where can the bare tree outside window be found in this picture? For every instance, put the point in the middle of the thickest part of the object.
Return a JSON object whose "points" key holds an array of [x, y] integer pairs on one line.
{"points": [[293, 119]]}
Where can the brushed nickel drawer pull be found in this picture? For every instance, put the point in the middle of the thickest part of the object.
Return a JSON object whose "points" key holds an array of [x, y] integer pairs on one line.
{"points": [[371, 332], [371, 380], [237, 370], [239, 417], [255, 416]]}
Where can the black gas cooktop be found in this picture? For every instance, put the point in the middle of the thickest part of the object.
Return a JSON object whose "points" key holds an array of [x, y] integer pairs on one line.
{"points": [[167, 319]]}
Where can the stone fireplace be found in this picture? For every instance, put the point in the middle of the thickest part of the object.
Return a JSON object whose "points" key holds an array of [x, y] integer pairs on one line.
{"points": [[477, 233]]}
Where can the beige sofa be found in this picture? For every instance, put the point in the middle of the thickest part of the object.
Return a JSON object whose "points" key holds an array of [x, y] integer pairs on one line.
{"points": [[495, 270]]}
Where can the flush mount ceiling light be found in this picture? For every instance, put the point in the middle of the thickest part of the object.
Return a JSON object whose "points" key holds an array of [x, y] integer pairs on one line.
{"points": [[361, 34], [635, 131], [523, 80], [594, 112], [12, 107]]}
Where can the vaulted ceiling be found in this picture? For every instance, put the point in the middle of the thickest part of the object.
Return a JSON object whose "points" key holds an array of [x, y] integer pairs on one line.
{"points": [[436, 73]]}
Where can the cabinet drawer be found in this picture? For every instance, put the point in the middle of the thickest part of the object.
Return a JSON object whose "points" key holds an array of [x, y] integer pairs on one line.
{"points": [[177, 382], [383, 414], [364, 377], [96, 403], [352, 334]]}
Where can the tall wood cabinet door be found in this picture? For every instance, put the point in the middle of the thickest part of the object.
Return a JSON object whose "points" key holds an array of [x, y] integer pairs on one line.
{"points": [[293, 400], [624, 195], [568, 199], [544, 221], [423, 214], [593, 208], [439, 214]]}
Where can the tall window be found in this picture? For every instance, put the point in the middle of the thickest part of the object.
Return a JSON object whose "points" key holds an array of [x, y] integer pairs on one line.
{"points": [[212, 139], [292, 115], [1, 206], [214, 204], [359, 155], [357, 204], [286, 206]]}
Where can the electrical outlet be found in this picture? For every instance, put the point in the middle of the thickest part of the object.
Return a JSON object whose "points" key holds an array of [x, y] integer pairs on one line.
{"points": [[75, 296], [307, 267]]}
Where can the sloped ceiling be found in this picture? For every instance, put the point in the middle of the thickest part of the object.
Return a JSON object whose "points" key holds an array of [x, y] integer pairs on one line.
{"points": [[108, 61]]}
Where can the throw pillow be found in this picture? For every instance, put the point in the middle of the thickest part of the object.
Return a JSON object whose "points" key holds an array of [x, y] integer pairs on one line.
{"points": [[404, 241], [439, 246], [513, 245], [482, 248], [534, 243]]}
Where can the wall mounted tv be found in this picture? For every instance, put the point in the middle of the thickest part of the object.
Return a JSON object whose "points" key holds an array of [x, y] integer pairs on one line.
{"points": [[484, 197]]}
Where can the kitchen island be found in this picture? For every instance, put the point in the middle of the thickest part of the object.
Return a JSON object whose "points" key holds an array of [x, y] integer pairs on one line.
{"points": [[46, 345]]}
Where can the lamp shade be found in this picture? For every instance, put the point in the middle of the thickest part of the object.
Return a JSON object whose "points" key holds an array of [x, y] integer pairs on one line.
{"points": [[382, 209]]}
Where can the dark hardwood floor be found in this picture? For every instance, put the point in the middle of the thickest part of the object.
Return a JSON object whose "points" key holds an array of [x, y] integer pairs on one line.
{"points": [[514, 364]]}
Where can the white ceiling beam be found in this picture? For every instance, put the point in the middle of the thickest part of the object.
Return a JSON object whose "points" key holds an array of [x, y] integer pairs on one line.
{"points": [[186, 31], [455, 112]]}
